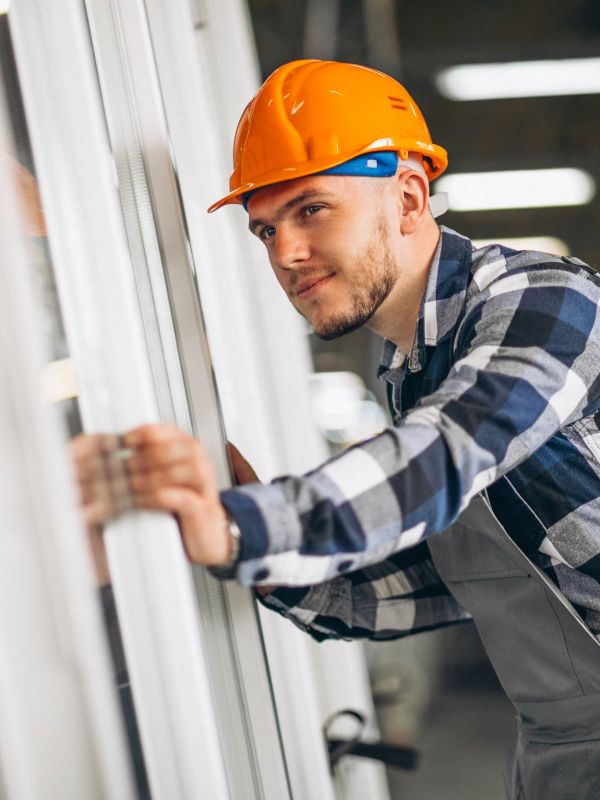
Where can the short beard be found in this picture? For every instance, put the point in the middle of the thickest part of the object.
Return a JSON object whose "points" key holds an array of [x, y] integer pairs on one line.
{"points": [[377, 275]]}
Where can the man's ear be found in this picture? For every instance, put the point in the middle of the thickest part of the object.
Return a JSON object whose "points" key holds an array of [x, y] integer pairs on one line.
{"points": [[413, 198]]}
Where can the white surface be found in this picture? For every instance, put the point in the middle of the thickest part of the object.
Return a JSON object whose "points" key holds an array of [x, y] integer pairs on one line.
{"points": [[151, 576], [61, 736]]}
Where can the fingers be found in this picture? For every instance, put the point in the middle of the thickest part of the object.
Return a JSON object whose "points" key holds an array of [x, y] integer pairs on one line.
{"points": [[173, 455], [190, 473], [171, 471], [201, 522], [111, 468], [181, 461], [89, 444], [103, 490], [154, 433], [162, 454], [101, 475], [154, 467], [90, 453]]}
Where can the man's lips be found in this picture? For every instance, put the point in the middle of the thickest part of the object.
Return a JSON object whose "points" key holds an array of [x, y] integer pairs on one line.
{"points": [[308, 288]]}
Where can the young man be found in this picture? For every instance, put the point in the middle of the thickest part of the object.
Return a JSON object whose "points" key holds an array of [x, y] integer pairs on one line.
{"points": [[483, 500]]}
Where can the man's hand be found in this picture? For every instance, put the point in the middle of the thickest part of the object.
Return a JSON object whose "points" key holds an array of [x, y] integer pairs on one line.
{"points": [[170, 471], [103, 489], [156, 467]]}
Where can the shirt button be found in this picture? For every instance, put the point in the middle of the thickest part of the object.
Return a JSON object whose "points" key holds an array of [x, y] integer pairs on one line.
{"points": [[344, 566], [261, 574]]}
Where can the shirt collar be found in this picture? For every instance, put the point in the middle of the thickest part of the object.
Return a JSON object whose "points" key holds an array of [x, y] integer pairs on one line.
{"points": [[441, 304]]}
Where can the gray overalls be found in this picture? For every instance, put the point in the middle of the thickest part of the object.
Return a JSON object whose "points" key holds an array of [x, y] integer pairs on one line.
{"points": [[547, 660]]}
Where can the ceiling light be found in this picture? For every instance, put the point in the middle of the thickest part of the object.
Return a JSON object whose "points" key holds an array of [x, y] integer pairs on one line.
{"points": [[529, 188], [520, 79], [542, 244]]}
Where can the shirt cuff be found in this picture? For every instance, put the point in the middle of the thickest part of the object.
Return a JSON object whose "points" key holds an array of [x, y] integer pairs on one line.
{"points": [[268, 522]]}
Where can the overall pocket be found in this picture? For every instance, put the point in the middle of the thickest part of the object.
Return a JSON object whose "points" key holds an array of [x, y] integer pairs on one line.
{"points": [[518, 625]]}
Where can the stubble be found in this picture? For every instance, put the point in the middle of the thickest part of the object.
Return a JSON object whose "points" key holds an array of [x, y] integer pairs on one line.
{"points": [[376, 272]]}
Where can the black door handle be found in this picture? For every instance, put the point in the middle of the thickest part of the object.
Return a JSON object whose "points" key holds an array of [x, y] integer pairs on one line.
{"points": [[394, 755]]}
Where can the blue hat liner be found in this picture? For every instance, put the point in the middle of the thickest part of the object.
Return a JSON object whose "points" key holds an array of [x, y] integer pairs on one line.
{"points": [[382, 164], [375, 165]]}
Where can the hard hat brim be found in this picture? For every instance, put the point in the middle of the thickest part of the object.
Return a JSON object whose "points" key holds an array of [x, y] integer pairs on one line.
{"points": [[435, 153]]}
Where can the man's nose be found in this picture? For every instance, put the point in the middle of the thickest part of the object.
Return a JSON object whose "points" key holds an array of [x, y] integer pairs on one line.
{"points": [[291, 249]]}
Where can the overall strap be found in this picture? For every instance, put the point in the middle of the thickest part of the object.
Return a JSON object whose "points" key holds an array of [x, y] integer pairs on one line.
{"points": [[539, 575]]}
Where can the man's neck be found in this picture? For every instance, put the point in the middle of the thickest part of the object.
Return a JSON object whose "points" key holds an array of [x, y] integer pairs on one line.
{"points": [[396, 319]]}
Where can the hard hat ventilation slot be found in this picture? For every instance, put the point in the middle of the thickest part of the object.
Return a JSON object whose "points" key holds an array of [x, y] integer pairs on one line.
{"points": [[398, 102]]}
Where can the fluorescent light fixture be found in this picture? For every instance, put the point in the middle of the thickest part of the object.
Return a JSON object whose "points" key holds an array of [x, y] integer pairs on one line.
{"points": [[543, 244], [528, 188], [520, 79]]}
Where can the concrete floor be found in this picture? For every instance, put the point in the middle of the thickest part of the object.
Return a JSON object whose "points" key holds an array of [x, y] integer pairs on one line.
{"points": [[463, 744], [437, 692]]}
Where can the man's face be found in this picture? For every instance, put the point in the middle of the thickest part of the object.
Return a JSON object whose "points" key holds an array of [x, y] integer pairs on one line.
{"points": [[329, 242]]}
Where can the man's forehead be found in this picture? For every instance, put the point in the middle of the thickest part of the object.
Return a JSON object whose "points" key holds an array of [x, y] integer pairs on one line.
{"points": [[270, 199]]}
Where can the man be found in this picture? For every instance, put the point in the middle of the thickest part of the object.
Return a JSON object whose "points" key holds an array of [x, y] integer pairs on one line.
{"points": [[484, 497]]}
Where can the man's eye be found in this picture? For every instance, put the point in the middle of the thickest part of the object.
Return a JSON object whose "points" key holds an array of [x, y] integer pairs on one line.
{"points": [[313, 209], [267, 233]]}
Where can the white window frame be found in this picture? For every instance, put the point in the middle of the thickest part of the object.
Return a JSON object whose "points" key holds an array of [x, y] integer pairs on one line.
{"points": [[62, 734], [151, 578]]}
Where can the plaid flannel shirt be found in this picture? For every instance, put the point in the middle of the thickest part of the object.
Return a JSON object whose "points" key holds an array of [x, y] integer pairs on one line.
{"points": [[501, 390]]}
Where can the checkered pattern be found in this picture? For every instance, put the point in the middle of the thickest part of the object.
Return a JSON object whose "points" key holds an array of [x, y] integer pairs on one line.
{"points": [[501, 390]]}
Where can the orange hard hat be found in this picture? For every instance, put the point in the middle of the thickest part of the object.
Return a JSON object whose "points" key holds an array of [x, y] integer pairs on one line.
{"points": [[310, 116]]}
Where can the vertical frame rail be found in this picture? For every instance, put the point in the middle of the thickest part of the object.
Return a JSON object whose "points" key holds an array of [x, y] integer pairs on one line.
{"points": [[61, 736], [151, 577]]}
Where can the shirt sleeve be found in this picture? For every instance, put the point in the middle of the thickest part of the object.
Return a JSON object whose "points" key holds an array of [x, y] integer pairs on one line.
{"points": [[526, 358], [400, 596]]}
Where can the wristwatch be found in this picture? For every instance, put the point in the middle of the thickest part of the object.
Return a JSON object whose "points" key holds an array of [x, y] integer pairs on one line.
{"points": [[227, 570], [235, 538]]}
